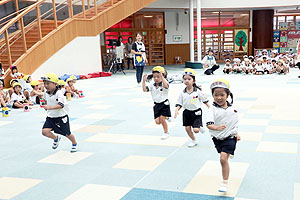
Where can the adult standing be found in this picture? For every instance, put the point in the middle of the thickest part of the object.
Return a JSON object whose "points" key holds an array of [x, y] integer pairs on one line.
{"points": [[129, 55], [209, 62], [120, 52], [140, 60]]}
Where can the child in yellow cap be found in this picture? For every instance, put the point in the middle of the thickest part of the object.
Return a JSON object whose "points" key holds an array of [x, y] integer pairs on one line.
{"points": [[159, 91], [191, 99], [36, 94], [222, 122], [70, 88], [57, 113], [18, 99]]}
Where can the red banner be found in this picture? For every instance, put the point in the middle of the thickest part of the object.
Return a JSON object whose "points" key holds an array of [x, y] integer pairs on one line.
{"points": [[293, 34]]}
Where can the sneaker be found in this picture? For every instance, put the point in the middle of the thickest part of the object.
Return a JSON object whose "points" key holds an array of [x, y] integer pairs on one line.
{"points": [[56, 142], [193, 143], [168, 119], [74, 148], [202, 129], [223, 188], [164, 136]]}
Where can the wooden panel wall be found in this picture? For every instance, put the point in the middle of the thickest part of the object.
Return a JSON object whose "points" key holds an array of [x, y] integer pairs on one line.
{"points": [[173, 50]]}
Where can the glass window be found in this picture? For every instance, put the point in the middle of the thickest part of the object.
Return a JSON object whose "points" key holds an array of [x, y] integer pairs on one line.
{"points": [[234, 19], [281, 19], [289, 18], [149, 20], [297, 18], [209, 19]]}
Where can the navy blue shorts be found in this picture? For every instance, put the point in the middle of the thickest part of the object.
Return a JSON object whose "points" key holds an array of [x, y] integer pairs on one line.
{"points": [[162, 109], [59, 125], [192, 118], [227, 145]]}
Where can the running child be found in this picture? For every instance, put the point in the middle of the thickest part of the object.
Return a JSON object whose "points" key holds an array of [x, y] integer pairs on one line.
{"points": [[57, 113], [159, 91], [222, 122], [191, 99]]}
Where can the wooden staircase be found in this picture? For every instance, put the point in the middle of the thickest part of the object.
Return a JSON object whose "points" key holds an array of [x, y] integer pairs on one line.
{"points": [[32, 37], [40, 47]]}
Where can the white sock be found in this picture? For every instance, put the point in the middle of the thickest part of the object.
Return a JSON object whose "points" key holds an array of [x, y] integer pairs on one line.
{"points": [[225, 182]]}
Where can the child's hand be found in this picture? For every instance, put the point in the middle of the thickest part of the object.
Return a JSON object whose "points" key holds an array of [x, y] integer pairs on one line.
{"points": [[145, 77], [176, 114], [221, 127], [238, 137], [46, 107]]}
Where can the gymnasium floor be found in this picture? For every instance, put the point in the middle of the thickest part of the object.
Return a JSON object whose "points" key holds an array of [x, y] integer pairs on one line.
{"points": [[121, 155]]}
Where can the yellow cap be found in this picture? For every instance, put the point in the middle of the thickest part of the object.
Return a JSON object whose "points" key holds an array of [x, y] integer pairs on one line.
{"points": [[26, 77], [69, 79], [158, 69], [61, 82], [73, 77], [34, 83], [50, 77], [281, 61], [223, 83], [189, 71], [12, 81], [17, 84]]}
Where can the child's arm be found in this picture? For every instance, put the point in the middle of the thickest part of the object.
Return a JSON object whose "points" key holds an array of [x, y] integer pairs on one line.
{"points": [[216, 128], [145, 89], [164, 81], [177, 111], [207, 104], [55, 107]]}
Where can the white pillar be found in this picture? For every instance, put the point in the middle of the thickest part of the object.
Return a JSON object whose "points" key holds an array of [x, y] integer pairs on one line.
{"points": [[192, 49], [199, 30]]}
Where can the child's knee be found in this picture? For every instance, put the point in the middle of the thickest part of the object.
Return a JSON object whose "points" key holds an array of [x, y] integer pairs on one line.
{"points": [[196, 130], [223, 158], [45, 132], [157, 121]]}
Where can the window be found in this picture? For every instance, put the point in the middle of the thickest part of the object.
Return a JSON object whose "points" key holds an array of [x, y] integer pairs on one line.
{"points": [[234, 19]]}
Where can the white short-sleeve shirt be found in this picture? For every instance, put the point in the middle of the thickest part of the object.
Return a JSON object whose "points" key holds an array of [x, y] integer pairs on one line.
{"points": [[159, 94], [218, 115], [57, 98], [17, 97], [209, 60], [191, 101]]}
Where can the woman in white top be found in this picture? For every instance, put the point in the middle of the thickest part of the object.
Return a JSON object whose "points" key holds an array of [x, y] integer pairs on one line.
{"points": [[120, 47], [209, 62]]}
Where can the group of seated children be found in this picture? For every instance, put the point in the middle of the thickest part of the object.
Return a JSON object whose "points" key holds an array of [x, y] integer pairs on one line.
{"points": [[24, 90], [262, 64]]}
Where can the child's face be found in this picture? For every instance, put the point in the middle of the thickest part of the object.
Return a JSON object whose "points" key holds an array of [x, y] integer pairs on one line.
{"points": [[29, 79], [210, 53], [12, 83], [220, 96], [70, 83], [157, 77], [50, 86], [36, 87], [17, 89], [268, 61], [14, 71], [188, 80], [228, 63], [1, 85]]}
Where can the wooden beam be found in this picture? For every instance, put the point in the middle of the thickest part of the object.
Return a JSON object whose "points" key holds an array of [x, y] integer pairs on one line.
{"points": [[8, 48], [23, 34], [83, 9], [88, 2], [71, 8], [54, 13], [17, 7], [95, 6], [38, 16]]}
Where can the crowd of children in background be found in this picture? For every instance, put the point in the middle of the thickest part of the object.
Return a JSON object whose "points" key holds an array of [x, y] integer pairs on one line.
{"points": [[262, 64], [23, 90]]}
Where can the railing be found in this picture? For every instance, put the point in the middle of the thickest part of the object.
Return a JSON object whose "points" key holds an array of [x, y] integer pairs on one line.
{"points": [[27, 34]]}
